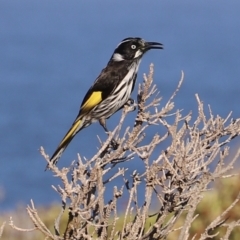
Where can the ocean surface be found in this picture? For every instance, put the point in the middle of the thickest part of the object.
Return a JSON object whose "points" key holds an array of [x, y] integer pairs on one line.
{"points": [[52, 51]]}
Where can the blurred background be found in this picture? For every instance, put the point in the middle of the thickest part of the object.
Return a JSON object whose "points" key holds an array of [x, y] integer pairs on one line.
{"points": [[52, 51]]}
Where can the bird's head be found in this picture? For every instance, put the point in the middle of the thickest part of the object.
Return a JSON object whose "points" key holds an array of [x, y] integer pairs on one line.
{"points": [[133, 48]]}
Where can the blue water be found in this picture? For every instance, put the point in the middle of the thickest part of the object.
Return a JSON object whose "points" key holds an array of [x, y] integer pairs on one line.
{"points": [[52, 51]]}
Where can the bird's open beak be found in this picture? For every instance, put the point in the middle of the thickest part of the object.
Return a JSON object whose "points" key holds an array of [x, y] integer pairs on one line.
{"points": [[153, 45]]}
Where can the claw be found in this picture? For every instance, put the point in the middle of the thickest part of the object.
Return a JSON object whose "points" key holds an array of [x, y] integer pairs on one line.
{"points": [[129, 102], [114, 144]]}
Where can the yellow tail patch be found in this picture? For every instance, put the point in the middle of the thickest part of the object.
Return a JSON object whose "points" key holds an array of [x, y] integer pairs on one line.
{"points": [[71, 132], [93, 100]]}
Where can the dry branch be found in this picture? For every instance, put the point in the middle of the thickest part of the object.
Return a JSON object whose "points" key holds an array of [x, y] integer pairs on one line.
{"points": [[174, 178]]}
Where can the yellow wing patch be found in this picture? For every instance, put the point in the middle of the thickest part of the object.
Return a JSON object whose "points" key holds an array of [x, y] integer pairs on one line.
{"points": [[94, 99]]}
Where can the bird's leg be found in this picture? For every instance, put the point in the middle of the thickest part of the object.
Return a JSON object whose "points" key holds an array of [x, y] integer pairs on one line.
{"points": [[129, 102], [102, 122]]}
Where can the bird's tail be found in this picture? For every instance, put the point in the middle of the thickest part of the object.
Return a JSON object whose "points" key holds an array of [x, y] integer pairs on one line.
{"points": [[76, 127]]}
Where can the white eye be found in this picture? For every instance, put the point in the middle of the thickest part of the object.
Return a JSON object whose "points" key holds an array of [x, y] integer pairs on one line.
{"points": [[133, 46]]}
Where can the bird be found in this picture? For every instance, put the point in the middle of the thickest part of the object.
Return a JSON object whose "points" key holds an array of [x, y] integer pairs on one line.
{"points": [[111, 90]]}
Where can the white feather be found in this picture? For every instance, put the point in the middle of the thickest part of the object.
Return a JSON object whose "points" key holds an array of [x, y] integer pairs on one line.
{"points": [[138, 53], [127, 40], [117, 57]]}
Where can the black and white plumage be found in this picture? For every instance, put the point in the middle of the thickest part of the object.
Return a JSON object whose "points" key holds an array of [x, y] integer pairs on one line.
{"points": [[111, 90]]}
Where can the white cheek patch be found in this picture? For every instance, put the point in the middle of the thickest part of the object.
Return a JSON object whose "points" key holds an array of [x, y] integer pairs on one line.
{"points": [[138, 54], [117, 57]]}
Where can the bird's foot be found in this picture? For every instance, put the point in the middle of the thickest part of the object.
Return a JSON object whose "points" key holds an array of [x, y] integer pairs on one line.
{"points": [[114, 144], [130, 105], [129, 102]]}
